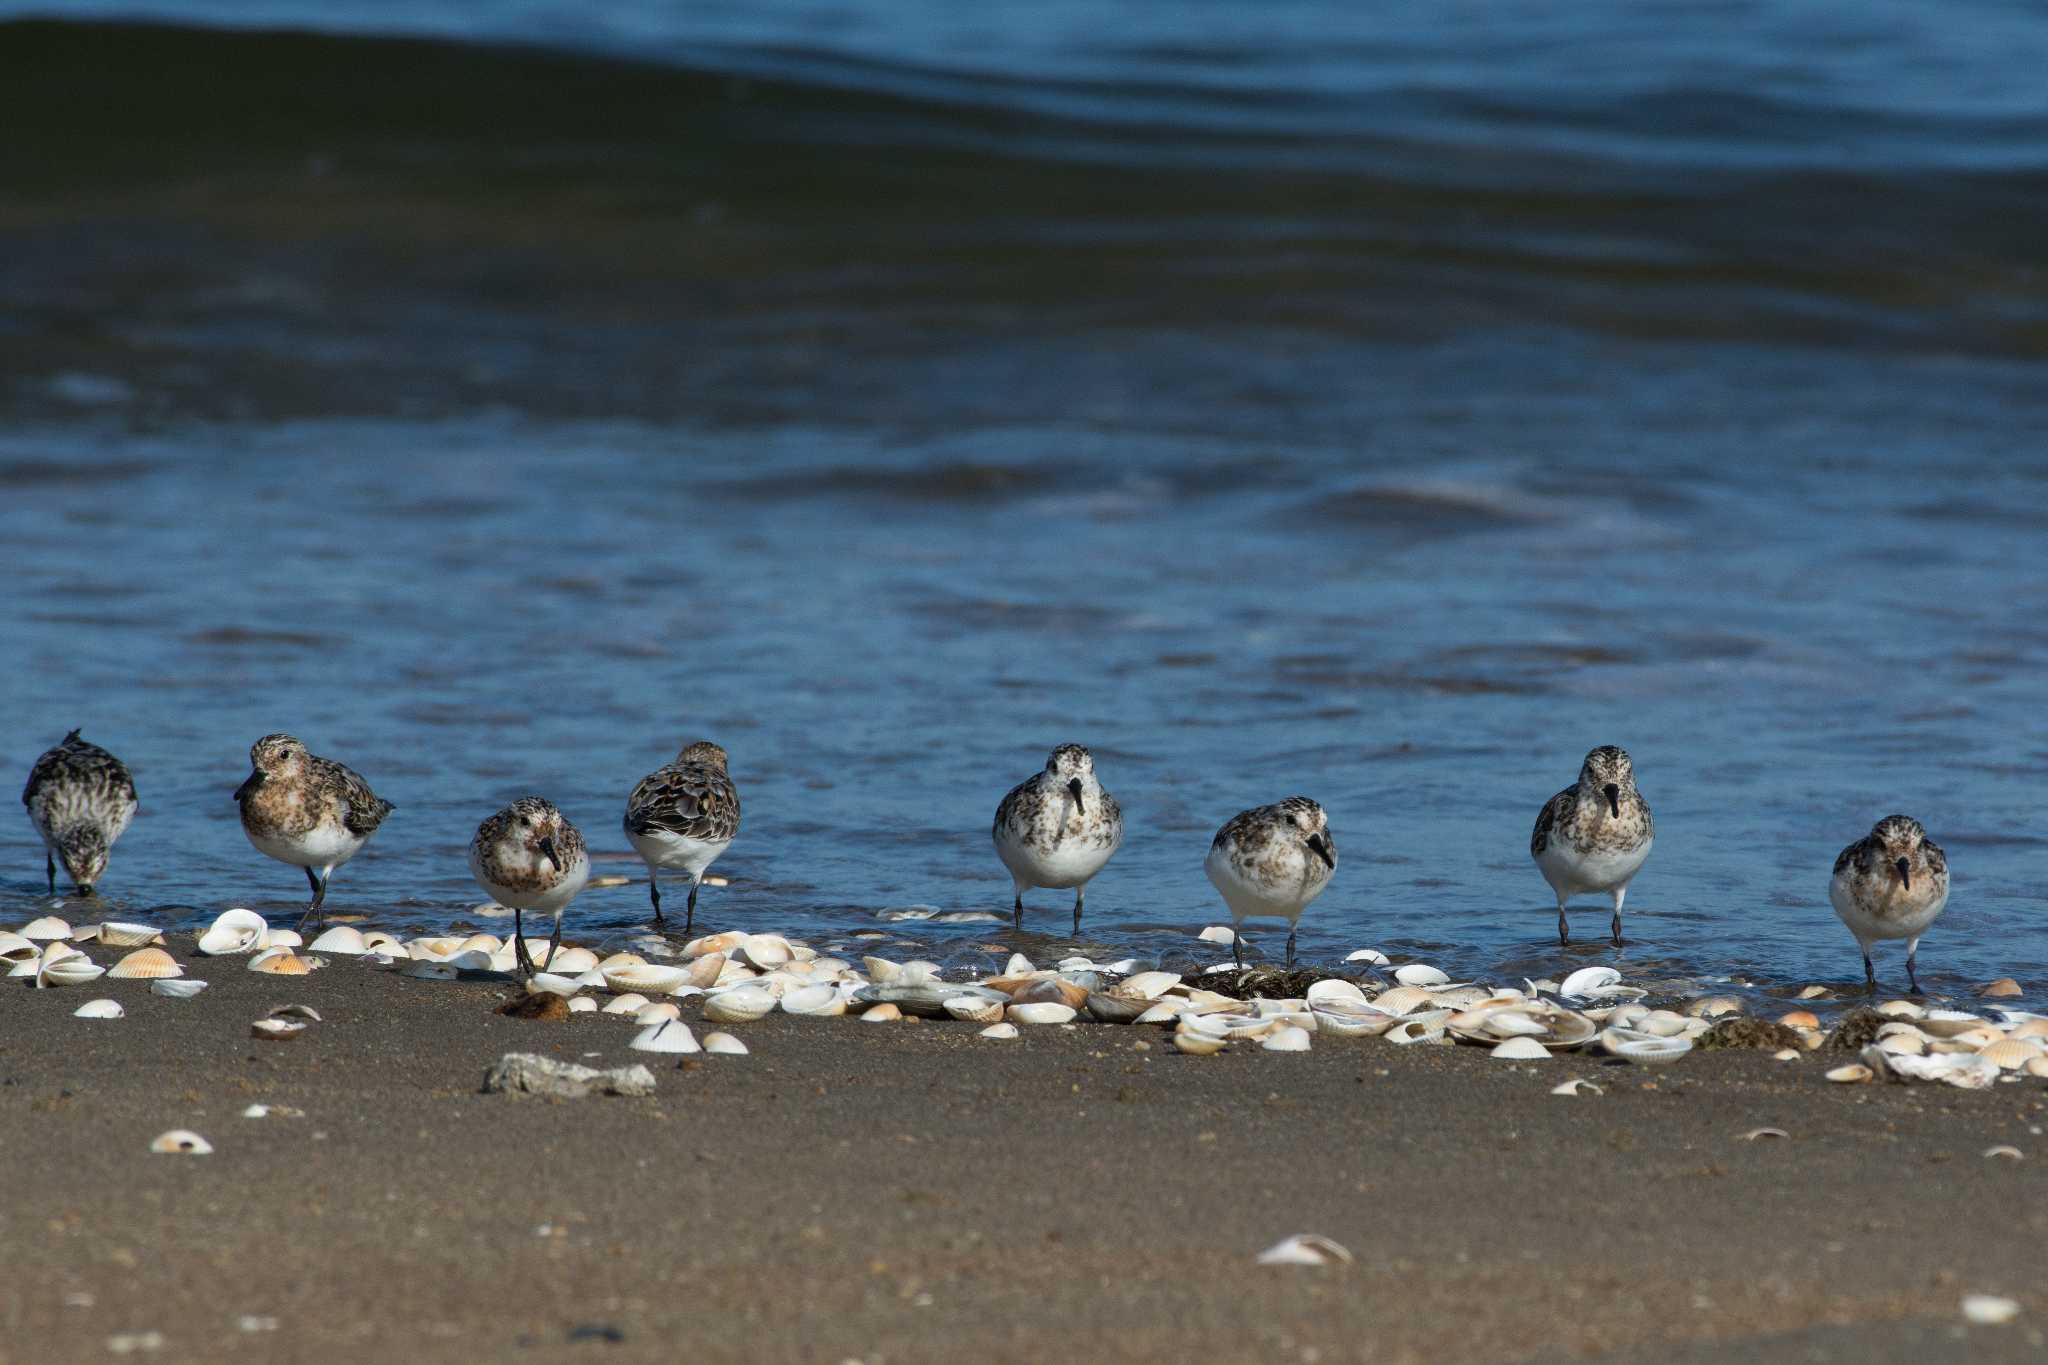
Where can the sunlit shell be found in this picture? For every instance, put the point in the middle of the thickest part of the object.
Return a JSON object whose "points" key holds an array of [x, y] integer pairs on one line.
{"points": [[1978, 1038], [434, 947], [740, 1005], [99, 1009], [2011, 1054], [1160, 1012], [379, 941], [129, 935], [1813, 993], [1644, 1048], [1352, 1021], [1713, 1007], [647, 978], [618, 960], [1200, 1044], [1053, 990], [820, 1000], [146, 964], [1587, 981], [1577, 1085], [1420, 1028], [1145, 985], [72, 969], [881, 1014], [1421, 974], [15, 948], [1116, 1009], [280, 962], [344, 939], [1852, 1074], [1286, 1038], [2038, 1067], [657, 1011], [1218, 933], [573, 961], [1902, 1044], [1786, 1054], [724, 1044], [47, 929], [2003, 987], [670, 1035], [1041, 1012], [234, 931], [1335, 991], [632, 1002], [283, 938], [1948, 1023], [1521, 1050], [2029, 1028], [177, 990], [277, 1030], [1372, 955], [763, 952], [714, 943], [552, 983], [480, 943], [1401, 1000], [582, 1004], [182, 1141], [1799, 1019]]}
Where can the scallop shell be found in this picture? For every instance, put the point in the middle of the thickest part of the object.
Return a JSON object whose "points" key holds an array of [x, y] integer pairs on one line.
{"points": [[1421, 974], [48, 929], [177, 990], [1218, 933], [582, 1004], [234, 931], [670, 1035], [724, 1044], [99, 1009], [1286, 1038], [655, 1013], [1401, 1000], [707, 970], [881, 1014], [1352, 1022], [280, 962], [277, 1030], [379, 941], [129, 935], [146, 964], [1419, 1028], [283, 938], [344, 939], [1852, 1074], [740, 1005], [645, 977], [1161, 1012], [1200, 1044], [764, 952], [630, 1003], [72, 969], [822, 1000], [1334, 991], [569, 961], [1372, 955], [974, 1009], [182, 1141], [1902, 1009], [1902, 1044], [1521, 1050], [2011, 1054], [1040, 1012], [1587, 982], [1144, 986]]}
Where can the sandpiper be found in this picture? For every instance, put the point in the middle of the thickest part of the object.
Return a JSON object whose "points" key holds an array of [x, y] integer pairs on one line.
{"points": [[529, 856], [1891, 883], [683, 816], [1594, 836], [309, 811], [1057, 828], [80, 798], [1272, 861]]}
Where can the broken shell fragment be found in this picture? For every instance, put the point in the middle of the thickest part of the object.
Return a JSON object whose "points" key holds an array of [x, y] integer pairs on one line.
{"points": [[994, 1030], [1989, 1310], [1577, 1085], [183, 1141], [881, 1014], [1852, 1074], [1197, 1044], [974, 1009], [99, 1009], [2002, 1150], [1218, 933], [277, 1030], [1305, 1248], [582, 1004], [1753, 1134], [1041, 1012], [1643, 1048], [177, 990]]}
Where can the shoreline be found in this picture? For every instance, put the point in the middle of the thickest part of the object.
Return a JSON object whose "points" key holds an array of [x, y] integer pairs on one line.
{"points": [[888, 1192]]}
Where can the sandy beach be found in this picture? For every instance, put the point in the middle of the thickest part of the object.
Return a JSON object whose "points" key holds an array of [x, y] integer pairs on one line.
{"points": [[899, 1192]]}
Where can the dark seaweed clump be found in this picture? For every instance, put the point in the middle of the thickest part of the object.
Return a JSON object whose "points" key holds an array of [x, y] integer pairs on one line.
{"points": [[1739, 1031], [1857, 1030]]}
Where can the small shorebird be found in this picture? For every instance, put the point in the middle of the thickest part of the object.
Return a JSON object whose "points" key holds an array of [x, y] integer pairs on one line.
{"points": [[529, 856], [1057, 828], [1272, 860], [1595, 835], [80, 798], [683, 816], [309, 811], [1891, 883]]}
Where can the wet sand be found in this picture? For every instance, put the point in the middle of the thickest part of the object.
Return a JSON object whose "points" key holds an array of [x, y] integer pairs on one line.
{"points": [[900, 1192]]}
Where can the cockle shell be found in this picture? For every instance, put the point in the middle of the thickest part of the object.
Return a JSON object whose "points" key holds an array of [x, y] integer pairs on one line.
{"points": [[740, 1005], [1419, 1028], [379, 941], [1401, 1000], [1200, 1044], [974, 1009], [1852, 1074], [1353, 1021], [1372, 955], [582, 1004], [1521, 1050], [670, 1035], [116, 935], [658, 1011], [551, 983], [1902, 1044], [99, 1009], [1218, 933], [1948, 1023], [881, 1014], [148, 964], [72, 969], [824, 1001], [714, 943], [1334, 991], [646, 977], [15, 948], [573, 961], [995, 1030], [1145, 985], [277, 1030], [725, 1044], [47, 929], [1421, 974], [763, 952], [177, 990], [709, 969], [630, 1003], [182, 1141], [2011, 1054], [280, 962], [234, 931], [1799, 1019], [1646, 1049], [283, 938], [1041, 1012], [1902, 1009], [1286, 1038], [344, 939]]}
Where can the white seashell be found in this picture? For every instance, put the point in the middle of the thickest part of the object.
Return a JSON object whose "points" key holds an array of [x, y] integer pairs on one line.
{"points": [[177, 990], [1755, 1133], [2009, 1153], [551, 983], [820, 1000], [646, 977], [1852, 1074], [655, 1013], [1018, 965], [1902, 1009], [1521, 1050], [1218, 933], [1305, 1248], [1419, 1028], [1989, 1310], [582, 1004], [1287, 1038], [1161, 1012], [1966, 1071], [670, 1035], [129, 935], [283, 938], [1335, 991], [1713, 1007], [1401, 1000], [1420, 974], [1372, 955], [1786, 1054], [146, 964], [99, 1009], [427, 970], [974, 1009], [1902, 1044], [344, 939], [434, 948], [378, 941], [281, 962], [1200, 1044], [15, 948], [70, 970], [1145, 985], [235, 931], [1583, 983], [995, 1030], [724, 1044], [277, 1030], [1644, 1048], [183, 1141], [1041, 1012], [1948, 1023], [764, 952], [629, 1003], [48, 929], [740, 1005], [1352, 1022], [1577, 1086], [714, 943], [881, 1014], [2038, 1067], [569, 961]]}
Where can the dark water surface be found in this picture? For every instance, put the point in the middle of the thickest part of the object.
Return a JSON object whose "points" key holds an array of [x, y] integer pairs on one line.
{"points": [[1386, 411]]}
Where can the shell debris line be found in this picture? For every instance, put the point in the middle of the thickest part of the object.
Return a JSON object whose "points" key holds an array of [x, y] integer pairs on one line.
{"points": [[737, 977]]}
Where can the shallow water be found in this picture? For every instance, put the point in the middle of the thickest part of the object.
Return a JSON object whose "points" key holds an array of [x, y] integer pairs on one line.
{"points": [[890, 474]]}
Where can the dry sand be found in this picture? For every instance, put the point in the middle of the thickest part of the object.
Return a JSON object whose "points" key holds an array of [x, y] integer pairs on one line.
{"points": [[907, 1192]]}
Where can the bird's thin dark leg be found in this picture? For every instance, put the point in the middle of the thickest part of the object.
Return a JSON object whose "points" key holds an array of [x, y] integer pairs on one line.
{"points": [[1617, 928], [1564, 933], [312, 916], [1912, 952], [654, 892], [554, 942], [690, 911], [1869, 973], [1077, 911], [50, 868], [1237, 949], [1290, 947], [1017, 913], [519, 953]]}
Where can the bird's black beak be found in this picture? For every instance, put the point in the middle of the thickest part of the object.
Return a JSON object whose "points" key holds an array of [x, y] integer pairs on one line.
{"points": [[250, 784], [547, 850], [1321, 846], [1905, 868], [1613, 798], [1074, 786]]}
